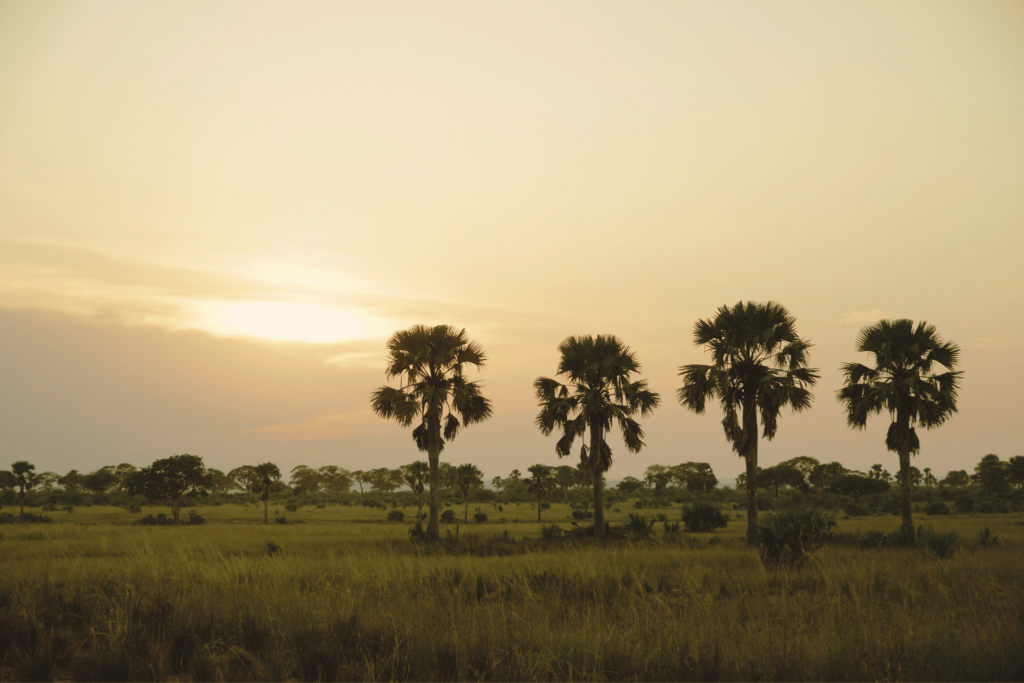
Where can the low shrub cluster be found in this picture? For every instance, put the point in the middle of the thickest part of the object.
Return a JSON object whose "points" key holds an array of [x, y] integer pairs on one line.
{"points": [[787, 538], [704, 518], [27, 518], [193, 518]]}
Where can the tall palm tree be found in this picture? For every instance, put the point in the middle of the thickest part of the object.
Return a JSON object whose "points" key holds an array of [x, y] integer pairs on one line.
{"points": [[261, 479], [597, 391], [467, 478], [24, 478], [541, 481], [903, 383], [415, 475], [429, 362], [759, 365]]}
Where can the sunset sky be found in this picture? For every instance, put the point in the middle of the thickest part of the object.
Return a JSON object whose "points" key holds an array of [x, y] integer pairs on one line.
{"points": [[213, 214]]}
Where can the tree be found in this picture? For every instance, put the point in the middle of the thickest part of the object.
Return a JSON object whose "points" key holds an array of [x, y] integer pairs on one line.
{"points": [[825, 475], [170, 479], [804, 464], [433, 393], [415, 476], [695, 476], [217, 481], [657, 477], [47, 480], [7, 480], [629, 485], [566, 477], [878, 473], [929, 478], [100, 481], [957, 478], [781, 475], [991, 473], [857, 486], [384, 479], [304, 479], [599, 390], [261, 479], [467, 478], [335, 479], [759, 365], [360, 477], [540, 483], [24, 479], [497, 483], [72, 481], [902, 382], [1015, 470], [122, 472]]}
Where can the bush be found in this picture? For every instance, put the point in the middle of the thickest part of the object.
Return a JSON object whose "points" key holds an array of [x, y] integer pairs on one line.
{"points": [[638, 527], [195, 519], [943, 546], [552, 533], [27, 518], [671, 529], [271, 548], [395, 516], [787, 538], [854, 510], [417, 533], [280, 520], [964, 504], [936, 508], [582, 514], [448, 517], [704, 518], [986, 538], [480, 517]]}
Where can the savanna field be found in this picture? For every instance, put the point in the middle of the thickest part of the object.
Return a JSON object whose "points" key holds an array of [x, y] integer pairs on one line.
{"points": [[339, 593]]}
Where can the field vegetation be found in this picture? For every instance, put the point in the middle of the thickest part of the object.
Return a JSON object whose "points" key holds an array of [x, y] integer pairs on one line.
{"points": [[340, 593]]}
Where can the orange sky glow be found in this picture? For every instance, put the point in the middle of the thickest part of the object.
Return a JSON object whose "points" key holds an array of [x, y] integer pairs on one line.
{"points": [[213, 214]]}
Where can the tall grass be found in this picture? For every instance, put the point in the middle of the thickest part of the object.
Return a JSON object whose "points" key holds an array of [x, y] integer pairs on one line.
{"points": [[336, 602]]}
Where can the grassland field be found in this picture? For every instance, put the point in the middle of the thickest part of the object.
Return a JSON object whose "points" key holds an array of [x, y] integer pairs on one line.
{"points": [[348, 596]]}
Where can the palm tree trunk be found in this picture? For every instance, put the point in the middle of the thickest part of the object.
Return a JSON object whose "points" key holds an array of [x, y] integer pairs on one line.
{"points": [[908, 519], [750, 455], [266, 504], [433, 524], [595, 450], [538, 509]]}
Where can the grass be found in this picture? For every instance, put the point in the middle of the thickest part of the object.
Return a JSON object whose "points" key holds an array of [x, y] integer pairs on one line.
{"points": [[348, 597]]}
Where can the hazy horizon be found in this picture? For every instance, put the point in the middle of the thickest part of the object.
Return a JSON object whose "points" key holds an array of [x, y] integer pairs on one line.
{"points": [[213, 215]]}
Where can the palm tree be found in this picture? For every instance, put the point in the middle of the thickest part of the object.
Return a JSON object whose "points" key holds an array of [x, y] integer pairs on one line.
{"points": [[759, 364], [429, 361], [467, 478], [24, 478], [598, 390], [540, 482], [415, 476], [261, 479], [903, 383]]}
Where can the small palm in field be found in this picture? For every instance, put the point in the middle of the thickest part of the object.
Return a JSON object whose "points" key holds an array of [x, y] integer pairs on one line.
{"points": [[903, 383], [433, 393], [598, 391], [759, 365]]}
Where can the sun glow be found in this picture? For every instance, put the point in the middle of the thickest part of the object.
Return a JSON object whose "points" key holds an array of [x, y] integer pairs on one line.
{"points": [[282, 321]]}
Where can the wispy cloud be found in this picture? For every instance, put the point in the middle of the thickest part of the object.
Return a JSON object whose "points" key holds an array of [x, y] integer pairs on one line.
{"points": [[854, 317]]}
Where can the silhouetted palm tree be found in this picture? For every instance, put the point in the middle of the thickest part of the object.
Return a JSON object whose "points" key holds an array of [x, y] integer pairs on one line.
{"points": [[467, 478], [261, 479], [24, 478], [433, 392], [598, 391], [759, 364], [903, 383], [541, 481]]}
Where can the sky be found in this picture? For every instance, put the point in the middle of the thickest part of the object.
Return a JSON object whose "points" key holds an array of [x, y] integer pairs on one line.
{"points": [[213, 214]]}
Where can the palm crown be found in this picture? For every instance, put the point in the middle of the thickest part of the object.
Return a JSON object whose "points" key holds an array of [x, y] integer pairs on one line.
{"points": [[902, 381], [429, 362]]}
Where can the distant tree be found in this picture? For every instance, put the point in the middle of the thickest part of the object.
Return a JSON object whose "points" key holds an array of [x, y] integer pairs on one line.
{"points": [[991, 473], [7, 480], [261, 479], [878, 473], [657, 477], [415, 476], [47, 480], [24, 479], [929, 479], [217, 481], [122, 472], [759, 365], [902, 382], [170, 479], [1015, 471], [857, 486], [445, 477], [360, 477], [781, 475], [826, 475], [304, 480], [630, 485], [599, 390], [957, 478], [915, 477], [514, 476], [384, 479], [100, 481], [497, 483], [804, 464], [72, 481], [434, 393], [540, 483], [696, 477], [566, 477], [335, 479], [467, 478]]}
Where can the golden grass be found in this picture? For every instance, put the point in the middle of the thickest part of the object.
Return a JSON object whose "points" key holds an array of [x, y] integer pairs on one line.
{"points": [[350, 598]]}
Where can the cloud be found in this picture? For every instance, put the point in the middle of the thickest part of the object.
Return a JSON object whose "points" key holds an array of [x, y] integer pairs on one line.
{"points": [[332, 426], [860, 317]]}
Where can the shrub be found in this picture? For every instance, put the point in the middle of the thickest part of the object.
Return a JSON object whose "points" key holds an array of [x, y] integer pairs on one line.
{"points": [[270, 548], [671, 529], [448, 517], [280, 520], [986, 538], [417, 533], [936, 508], [582, 514], [551, 533], [27, 518], [964, 504], [480, 517], [943, 546], [704, 518], [638, 527], [787, 538], [291, 507], [195, 519], [854, 510], [638, 505], [395, 515]]}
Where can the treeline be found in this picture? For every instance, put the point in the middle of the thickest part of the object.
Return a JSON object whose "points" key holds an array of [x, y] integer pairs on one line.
{"points": [[993, 486]]}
